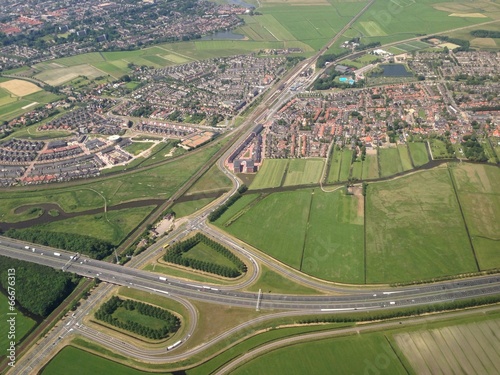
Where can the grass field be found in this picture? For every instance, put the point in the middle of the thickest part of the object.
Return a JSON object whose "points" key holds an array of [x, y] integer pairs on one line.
{"points": [[182, 209], [71, 360], [58, 76], [370, 167], [419, 155], [211, 366], [438, 149], [270, 174], [405, 221], [390, 161], [135, 148], [472, 348], [205, 253], [404, 155], [276, 283], [281, 225], [13, 109], [303, 171], [23, 323], [335, 165], [320, 234], [396, 20], [344, 355], [125, 315], [113, 226], [334, 247], [241, 204], [478, 188], [345, 168], [213, 180], [357, 169], [312, 24]]}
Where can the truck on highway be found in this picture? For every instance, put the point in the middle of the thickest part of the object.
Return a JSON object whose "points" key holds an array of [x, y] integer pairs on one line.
{"points": [[57, 254], [162, 278]]}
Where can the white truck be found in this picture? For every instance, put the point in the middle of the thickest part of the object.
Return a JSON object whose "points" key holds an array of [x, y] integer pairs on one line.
{"points": [[163, 278], [57, 254]]}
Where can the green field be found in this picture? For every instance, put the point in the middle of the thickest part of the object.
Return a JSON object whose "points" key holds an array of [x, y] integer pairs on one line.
{"points": [[112, 226], [335, 165], [438, 149], [390, 161], [205, 253], [314, 24], [125, 315], [405, 222], [495, 143], [23, 324], [478, 188], [320, 234], [404, 155], [135, 148], [281, 225], [356, 354], [419, 155], [71, 360], [303, 171], [58, 76], [182, 209], [213, 180], [388, 22], [235, 211], [6, 97], [273, 282], [334, 247], [345, 167], [357, 169], [370, 167], [270, 174]]}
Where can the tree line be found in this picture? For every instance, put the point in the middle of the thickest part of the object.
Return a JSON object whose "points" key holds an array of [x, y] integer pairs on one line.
{"points": [[105, 313], [214, 215], [39, 289], [485, 33], [327, 58], [87, 245], [176, 255]]}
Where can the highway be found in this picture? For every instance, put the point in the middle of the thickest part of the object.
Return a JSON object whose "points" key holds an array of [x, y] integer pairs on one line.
{"points": [[369, 298]]}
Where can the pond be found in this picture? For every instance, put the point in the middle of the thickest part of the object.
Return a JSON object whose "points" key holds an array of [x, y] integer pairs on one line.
{"points": [[395, 70], [224, 35], [240, 3]]}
